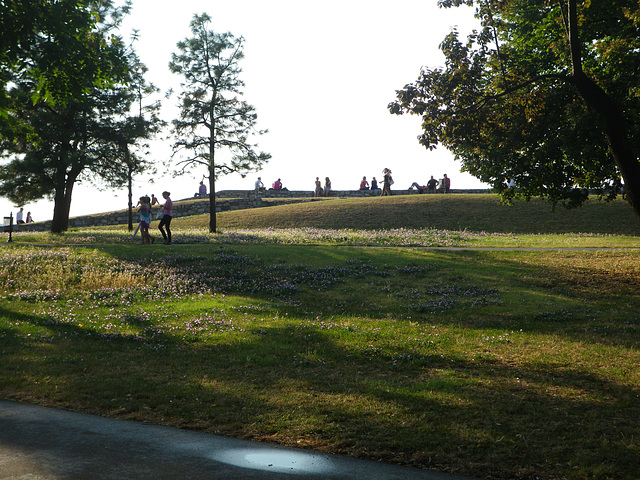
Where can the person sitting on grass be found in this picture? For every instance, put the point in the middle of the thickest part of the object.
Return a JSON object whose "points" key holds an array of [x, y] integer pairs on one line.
{"points": [[202, 190]]}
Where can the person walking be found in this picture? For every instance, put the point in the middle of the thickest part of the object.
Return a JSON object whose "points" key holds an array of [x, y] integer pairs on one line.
{"points": [[167, 215], [386, 183]]}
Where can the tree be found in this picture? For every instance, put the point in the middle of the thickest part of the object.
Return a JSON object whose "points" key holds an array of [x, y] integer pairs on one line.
{"points": [[212, 117], [544, 93], [64, 95], [130, 130]]}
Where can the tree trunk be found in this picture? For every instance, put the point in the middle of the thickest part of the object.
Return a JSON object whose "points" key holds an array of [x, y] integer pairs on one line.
{"points": [[61, 207], [212, 168], [212, 199], [599, 101], [130, 188], [616, 133], [127, 158]]}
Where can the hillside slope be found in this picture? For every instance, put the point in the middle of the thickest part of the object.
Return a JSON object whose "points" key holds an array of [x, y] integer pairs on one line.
{"points": [[452, 212]]}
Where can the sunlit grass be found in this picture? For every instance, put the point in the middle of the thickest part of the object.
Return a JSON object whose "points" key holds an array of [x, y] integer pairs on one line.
{"points": [[185, 235], [493, 364]]}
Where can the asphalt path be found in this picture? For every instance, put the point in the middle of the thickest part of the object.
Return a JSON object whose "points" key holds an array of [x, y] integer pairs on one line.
{"points": [[41, 443]]}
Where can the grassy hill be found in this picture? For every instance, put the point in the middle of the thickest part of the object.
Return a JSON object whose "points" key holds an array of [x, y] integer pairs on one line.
{"points": [[501, 363], [451, 212]]}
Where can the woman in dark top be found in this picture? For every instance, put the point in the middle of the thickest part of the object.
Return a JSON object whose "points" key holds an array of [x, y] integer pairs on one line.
{"points": [[388, 181]]}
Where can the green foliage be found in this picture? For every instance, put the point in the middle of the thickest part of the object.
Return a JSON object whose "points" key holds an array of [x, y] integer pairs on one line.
{"points": [[55, 44], [69, 87], [515, 102]]}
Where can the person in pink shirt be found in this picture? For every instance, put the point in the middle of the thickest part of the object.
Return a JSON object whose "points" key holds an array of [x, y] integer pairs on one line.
{"points": [[167, 215]]}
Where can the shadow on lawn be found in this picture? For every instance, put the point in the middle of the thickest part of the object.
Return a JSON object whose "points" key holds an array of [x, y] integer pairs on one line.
{"points": [[478, 415]]}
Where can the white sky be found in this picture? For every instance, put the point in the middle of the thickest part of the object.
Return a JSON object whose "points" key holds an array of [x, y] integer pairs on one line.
{"points": [[320, 75]]}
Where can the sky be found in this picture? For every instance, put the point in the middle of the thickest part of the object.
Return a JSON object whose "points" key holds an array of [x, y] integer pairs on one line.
{"points": [[320, 75]]}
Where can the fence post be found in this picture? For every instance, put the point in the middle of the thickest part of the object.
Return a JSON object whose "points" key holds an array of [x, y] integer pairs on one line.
{"points": [[8, 223]]}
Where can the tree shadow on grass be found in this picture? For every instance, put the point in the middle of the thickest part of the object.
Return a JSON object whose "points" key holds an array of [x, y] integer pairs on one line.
{"points": [[481, 416], [450, 410], [284, 384]]}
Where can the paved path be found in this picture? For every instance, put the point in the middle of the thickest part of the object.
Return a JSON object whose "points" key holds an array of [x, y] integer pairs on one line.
{"points": [[38, 443]]}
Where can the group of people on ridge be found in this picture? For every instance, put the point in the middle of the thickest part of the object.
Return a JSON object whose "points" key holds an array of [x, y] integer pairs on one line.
{"points": [[387, 181], [321, 191], [144, 206], [277, 185], [432, 185]]}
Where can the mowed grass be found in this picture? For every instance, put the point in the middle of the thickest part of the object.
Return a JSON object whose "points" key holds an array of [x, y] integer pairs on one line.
{"points": [[490, 363]]}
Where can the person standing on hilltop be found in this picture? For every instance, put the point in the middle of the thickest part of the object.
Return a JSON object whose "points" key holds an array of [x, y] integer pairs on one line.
{"points": [[386, 183], [167, 215], [432, 185], [446, 184]]}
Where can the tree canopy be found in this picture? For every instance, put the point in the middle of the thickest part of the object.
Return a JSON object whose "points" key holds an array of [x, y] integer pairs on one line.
{"points": [[212, 116], [544, 93], [67, 91]]}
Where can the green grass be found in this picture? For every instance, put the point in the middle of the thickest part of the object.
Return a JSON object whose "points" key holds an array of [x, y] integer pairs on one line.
{"points": [[410, 220], [475, 213], [490, 363]]}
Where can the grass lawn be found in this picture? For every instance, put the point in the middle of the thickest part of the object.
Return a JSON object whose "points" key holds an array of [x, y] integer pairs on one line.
{"points": [[490, 363]]}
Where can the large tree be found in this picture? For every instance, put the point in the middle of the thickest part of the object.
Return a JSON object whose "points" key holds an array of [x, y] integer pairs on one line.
{"points": [[545, 93], [212, 116], [64, 92]]}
